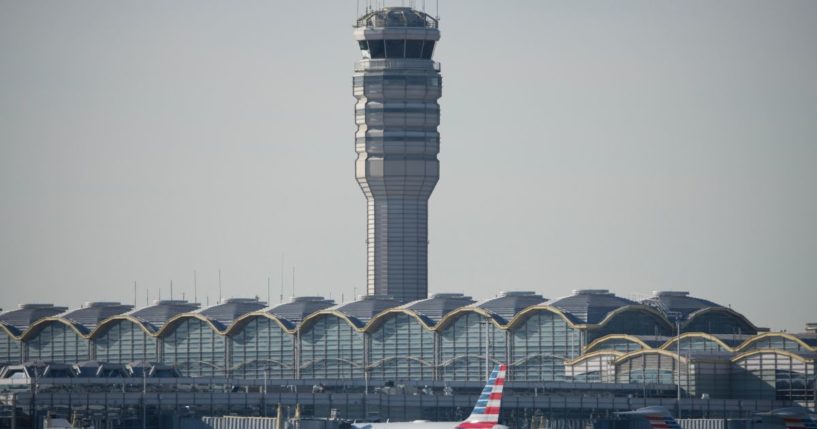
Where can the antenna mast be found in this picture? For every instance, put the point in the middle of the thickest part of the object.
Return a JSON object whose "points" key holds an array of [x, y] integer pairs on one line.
{"points": [[281, 297]]}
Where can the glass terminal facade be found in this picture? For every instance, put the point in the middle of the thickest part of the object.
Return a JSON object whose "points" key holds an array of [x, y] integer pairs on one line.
{"points": [[589, 336]]}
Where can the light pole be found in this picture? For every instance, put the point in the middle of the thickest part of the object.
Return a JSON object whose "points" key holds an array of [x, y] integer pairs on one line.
{"points": [[144, 395], [677, 317], [264, 395], [487, 326]]}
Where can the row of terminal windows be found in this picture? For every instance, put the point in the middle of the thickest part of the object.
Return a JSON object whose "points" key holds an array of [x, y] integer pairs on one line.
{"points": [[397, 80], [397, 48]]}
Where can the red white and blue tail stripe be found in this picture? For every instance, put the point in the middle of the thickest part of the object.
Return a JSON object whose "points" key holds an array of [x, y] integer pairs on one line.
{"points": [[658, 417], [486, 411], [799, 423]]}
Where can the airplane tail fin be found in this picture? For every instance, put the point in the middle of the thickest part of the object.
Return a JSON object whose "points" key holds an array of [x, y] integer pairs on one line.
{"points": [[486, 412], [794, 418], [658, 417]]}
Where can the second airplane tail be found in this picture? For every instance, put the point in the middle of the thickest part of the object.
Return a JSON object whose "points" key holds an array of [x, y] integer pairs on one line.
{"points": [[794, 418], [658, 417]]}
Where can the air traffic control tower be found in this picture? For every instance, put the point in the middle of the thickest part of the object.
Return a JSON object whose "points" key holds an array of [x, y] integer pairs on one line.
{"points": [[397, 85]]}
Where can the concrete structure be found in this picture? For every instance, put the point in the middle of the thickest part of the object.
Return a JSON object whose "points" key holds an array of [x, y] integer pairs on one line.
{"points": [[397, 86]]}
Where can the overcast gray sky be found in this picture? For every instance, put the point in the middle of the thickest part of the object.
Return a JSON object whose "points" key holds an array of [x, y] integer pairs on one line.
{"points": [[632, 146]]}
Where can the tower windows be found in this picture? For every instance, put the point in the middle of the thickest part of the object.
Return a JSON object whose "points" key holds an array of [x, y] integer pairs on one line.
{"points": [[414, 48], [428, 49], [378, 49], [395, 48]]}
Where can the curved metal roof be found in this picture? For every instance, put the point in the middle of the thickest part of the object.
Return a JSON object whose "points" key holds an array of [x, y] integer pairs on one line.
{"points": [[508, 304], [155, 316], [678, 301], [590, 305], [584, 309], [809, 338], [91, 313], [299, 307], [222, 315], [27, 314], [366, 307], [397, 17], [433, 309]]}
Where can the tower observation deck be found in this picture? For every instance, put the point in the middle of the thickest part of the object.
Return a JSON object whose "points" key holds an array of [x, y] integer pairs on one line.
{"points": [[397, 85]]}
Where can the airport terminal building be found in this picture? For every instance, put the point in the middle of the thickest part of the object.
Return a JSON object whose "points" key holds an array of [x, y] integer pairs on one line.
{"points": [[589, 336]]}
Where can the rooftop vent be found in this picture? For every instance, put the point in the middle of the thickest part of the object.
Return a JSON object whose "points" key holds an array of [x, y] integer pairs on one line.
{"points": [[811, 327], [171, 302], [669, 293], [449, 295], [517, 293], [98, 304], [374, 297], [34, 306], [591, 292], [306, 299], [241, 300]]}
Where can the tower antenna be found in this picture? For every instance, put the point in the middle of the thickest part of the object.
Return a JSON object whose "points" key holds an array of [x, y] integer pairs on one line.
{"points": [[219, 285], [268, 300], [293, 281], [134, 293], [147, 297], [281, 297]]}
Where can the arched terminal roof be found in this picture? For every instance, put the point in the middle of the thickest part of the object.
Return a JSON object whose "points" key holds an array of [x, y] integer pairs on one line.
{"points": [[17, 321], [435, 308], [733, 340], [298, 308], [87, 317], [366, 307], [508, 304], [678, 301], [222, 315], [590, 305], [155, 316], [397, 17], [809, 338]]}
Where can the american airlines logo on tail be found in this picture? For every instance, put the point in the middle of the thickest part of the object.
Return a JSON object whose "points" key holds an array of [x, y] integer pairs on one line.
{"points": [[486, 411]]}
